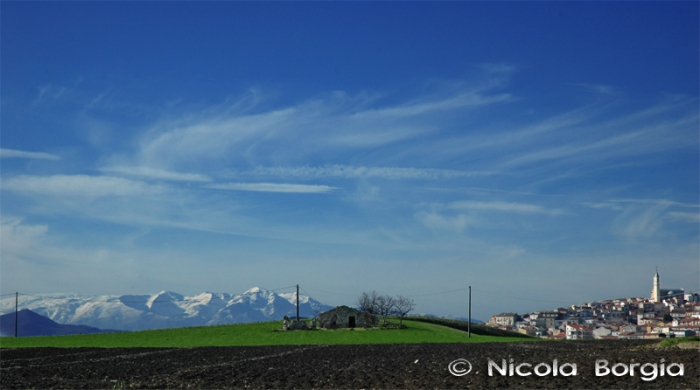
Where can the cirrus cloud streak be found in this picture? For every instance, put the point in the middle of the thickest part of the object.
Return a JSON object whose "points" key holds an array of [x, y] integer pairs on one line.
{"points": [[11, 153], [275, 187]]}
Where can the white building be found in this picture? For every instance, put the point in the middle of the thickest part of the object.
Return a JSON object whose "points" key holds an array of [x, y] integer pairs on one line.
{"points": [[578, 332]]}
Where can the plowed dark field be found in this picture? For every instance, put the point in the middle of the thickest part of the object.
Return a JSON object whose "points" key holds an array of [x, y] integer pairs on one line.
{"points": [[343, 366]]}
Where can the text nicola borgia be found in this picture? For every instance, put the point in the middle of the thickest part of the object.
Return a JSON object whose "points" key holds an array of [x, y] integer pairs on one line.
{"points": [[647, 371]]}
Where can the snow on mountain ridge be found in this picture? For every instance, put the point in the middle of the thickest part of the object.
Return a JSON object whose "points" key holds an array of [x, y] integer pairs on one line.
{"points": [[305, 300], [165, 309]]}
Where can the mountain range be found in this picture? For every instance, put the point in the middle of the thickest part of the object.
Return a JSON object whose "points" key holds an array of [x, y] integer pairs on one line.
{"points": [[165, 309]]}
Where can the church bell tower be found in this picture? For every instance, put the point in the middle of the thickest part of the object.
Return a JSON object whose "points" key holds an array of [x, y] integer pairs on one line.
{"points": [[656, 291]]}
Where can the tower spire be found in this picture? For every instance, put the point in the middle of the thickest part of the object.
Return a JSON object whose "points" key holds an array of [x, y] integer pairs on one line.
{"points": [[656, 290]]}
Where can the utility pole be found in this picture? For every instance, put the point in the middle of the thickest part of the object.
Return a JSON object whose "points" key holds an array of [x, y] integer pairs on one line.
{"points": [[16, 297], [297, 302], [469, 324]]}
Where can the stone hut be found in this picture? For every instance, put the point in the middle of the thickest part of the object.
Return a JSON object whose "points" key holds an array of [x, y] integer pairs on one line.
{"points": [[346, 317], [288, 324]]}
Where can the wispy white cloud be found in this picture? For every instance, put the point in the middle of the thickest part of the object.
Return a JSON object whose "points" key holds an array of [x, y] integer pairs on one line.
{"points": [[603, 205], [11, 153], [211, 137], [636, 223], [620, 204], [521, 208], [684, 216], [78, 185], [154, 173], [365, 193], [18, 237], [460, 101], [38, 257], [275, 187], [457, 216], [280, 141], [596, 88], [601, 140], [659, 202], [588, 138], [644, 218], [243, 131], [50, 92], [437, 221], [349, 171]]}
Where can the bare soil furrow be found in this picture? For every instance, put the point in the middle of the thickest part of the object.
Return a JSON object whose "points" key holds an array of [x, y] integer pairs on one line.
{"points": [[346, 366]]}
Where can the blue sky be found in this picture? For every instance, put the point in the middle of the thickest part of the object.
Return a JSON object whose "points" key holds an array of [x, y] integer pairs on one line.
{"points": [[544, 153]]}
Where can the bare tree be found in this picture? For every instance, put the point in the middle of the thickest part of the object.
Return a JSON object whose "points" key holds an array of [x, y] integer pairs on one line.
{"points": [[367, 302], [403, 306], [385, 306]]}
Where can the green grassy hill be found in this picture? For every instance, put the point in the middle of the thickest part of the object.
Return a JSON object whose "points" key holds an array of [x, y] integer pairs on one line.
{"points": [[478, 329], [266, 333]]}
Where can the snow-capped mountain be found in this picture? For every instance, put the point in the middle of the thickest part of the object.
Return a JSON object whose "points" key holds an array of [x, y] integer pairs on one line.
{"points": [[165, 309]]}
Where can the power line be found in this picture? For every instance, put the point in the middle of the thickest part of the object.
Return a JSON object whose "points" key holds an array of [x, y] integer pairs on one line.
{"points": [[281, 288], [520, 298], [305, 292], [438, 293], [487, 292], [330, 292]]}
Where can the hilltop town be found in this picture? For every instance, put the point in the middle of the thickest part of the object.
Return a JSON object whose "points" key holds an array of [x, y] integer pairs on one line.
{"points": [[666, 313]]}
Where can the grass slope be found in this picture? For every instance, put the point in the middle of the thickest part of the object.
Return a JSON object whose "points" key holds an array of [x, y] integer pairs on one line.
{"points": [[478, 329], [265, 333], [674, 342]]}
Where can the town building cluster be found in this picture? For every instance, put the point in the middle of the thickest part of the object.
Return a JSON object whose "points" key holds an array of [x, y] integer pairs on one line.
{"points": [[666, 313]]}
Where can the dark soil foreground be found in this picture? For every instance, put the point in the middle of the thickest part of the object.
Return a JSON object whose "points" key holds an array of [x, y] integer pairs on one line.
{"points": [[348, 366]]}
